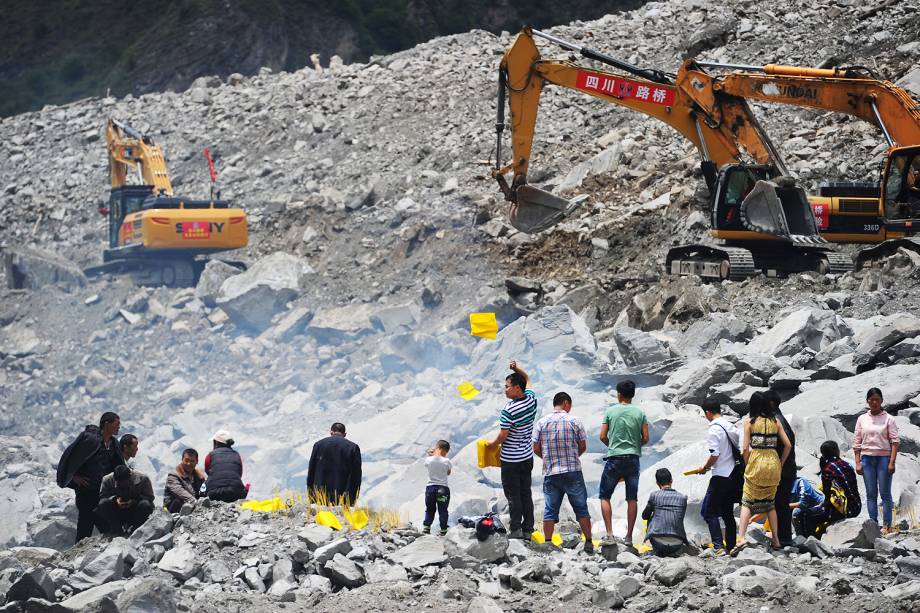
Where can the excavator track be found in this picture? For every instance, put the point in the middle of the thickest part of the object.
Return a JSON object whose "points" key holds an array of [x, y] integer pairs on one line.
{"points": [[838, 263], [711, 262], [150, 272], [872, 255]]}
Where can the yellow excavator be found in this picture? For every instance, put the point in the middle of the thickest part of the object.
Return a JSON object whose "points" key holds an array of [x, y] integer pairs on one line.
{"points": [[154, 235], [764, 222]]}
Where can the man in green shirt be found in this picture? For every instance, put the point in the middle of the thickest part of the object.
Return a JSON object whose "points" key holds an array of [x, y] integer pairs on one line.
{"points": [[624, 431]]}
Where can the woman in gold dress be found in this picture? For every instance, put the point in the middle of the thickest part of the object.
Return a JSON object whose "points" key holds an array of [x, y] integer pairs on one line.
{"points": [[762, 465]]}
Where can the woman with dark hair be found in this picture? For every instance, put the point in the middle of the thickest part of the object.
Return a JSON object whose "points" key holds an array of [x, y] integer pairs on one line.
{"points": [[841, 495], [875, 445], [763, 435], [225, 470]]}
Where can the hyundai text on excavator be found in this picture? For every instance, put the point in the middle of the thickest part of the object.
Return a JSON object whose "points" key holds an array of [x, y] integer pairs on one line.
{"points": [[887, 212], [155, 235], [762, 219]]}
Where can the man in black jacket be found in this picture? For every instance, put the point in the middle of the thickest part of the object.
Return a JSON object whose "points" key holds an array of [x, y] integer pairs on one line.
{"points": [[94, 454], [335, 468], [787, 476]]}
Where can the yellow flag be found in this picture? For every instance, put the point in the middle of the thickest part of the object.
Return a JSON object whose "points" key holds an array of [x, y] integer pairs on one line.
{"points": [[328, 519], [467, 391], [484, 325], [264, 506], [537, 537], [357, 518]]}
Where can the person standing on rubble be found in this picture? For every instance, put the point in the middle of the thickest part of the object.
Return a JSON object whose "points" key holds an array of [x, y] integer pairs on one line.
{"points": [[334, 474], [94, 454], [515, 424]]}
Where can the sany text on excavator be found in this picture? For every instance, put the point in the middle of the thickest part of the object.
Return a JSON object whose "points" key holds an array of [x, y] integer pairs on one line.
{"points": [[155, 235], [763, 220]]}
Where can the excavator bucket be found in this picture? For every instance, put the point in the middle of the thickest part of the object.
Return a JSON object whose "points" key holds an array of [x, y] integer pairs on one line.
{"points": [[535, 210], [780, 208]]}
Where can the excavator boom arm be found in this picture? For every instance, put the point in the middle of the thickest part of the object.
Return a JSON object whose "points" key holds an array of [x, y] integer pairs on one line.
{"points": [[128, 148]]}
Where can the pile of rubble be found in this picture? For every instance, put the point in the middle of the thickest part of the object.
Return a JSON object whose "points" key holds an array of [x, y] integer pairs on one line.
{"points": [[218, 558]]}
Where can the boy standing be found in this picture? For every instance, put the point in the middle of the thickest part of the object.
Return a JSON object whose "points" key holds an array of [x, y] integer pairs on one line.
{"points": [[437, 494]]}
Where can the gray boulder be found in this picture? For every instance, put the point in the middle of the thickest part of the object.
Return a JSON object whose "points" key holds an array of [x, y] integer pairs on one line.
{"points": [[180, 562], [283, 581], [108, 566], [893, 330], [213, 276], [847, 397], [344, 572], [462, 542], [380, 571], [817, 548], [92, 598], [702, 338], [908, 568], [691, 383], [805, 328], [35, 583], [316, 536], [606, 598], [147, 595], [395, 319], [423, 551], [327, 552], [339, 324], [483, 604], [638, 348], [753, 557], [253, 579], [291, 324], [626, 585], [52, 533], [903, 592], [672, 572], [27, 268], [855, 532], [252, 298], [158, 525], [757, 581]]}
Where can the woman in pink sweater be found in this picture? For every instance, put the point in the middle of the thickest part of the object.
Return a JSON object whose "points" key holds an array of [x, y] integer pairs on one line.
{"points": [[875, 445]]}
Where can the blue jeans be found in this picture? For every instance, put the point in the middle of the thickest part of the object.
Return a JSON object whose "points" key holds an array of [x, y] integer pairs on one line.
{"points": [[436, 496], [664, 550], [564, 484], [878, 481], [615, 468]]}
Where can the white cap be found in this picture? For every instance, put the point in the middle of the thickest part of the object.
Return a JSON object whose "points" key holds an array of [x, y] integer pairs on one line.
{"points": [[222, 436]]}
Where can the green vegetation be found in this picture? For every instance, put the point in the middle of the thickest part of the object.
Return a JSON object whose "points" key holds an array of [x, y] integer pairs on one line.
{"points": [[55, 51]]}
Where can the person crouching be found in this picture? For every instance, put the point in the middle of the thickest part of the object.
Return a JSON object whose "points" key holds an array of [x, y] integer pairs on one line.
{"points": [[224, 467], [125, 501], [183, 484]]}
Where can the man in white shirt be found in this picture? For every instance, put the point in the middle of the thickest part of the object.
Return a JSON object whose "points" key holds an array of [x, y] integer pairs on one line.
{"points": [[727, 477]]}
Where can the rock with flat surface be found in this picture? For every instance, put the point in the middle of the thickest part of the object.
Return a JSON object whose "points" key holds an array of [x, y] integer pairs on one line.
{"points": [[252, 298], [805, 328], [703, 336], [108, 566], [757, 581], [855, 532], [753, 557], [889, 332], [381, 571], [328, 551], [93, 597], [283, 580], [483, 604], [28, 268], [181, 563], [672, 572], [423, 551], [35, 583], [213, 276], [903, 592], [344, 572], [638, 348], [147, 595], [158, 525], [315, 535], [846, 398], [462, 542]]}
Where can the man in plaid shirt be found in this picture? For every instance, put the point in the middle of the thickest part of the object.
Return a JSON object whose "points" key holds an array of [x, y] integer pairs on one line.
{"points": [[559, 439]]}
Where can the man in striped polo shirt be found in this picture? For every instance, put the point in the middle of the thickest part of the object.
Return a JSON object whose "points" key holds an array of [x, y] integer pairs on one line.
{"points": [[516, 426]]}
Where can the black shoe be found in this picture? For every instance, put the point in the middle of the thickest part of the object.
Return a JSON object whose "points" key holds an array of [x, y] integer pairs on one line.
{"points": [[426, 529]]}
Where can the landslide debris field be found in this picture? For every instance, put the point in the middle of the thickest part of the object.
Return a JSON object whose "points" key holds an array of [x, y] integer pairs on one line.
{"points": [[375, 229]]}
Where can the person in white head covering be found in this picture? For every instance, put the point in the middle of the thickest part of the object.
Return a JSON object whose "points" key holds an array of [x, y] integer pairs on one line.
{"points": [[224, 467]]}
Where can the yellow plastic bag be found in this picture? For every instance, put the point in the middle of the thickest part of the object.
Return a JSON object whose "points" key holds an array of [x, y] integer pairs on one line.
{"points": [[467, 391], [357, 518], [487, 457], [328, 519], [484, 325], [265, 506], [538, 538]]}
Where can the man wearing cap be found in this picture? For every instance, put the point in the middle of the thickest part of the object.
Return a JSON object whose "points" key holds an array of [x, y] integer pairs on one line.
{"points": [[224, 467], [335, 468]]}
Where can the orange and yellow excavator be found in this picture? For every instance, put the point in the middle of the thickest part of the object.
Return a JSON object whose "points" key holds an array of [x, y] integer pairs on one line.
{"points": [[154, 235], [762, 220]]}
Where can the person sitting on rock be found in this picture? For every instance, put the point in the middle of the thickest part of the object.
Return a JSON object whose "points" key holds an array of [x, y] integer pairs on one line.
{"points": [[224, 467], [841, 493], [183, 485], [437, 494], [125, 501], [665, 513], [803, 495]]}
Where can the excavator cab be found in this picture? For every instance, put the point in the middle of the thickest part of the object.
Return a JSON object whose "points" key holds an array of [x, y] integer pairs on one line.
{"points": [[123, 201], [901, 186], [751, 198]]}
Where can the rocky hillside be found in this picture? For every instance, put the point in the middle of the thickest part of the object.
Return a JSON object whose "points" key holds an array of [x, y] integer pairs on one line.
{"points": [[376, 230], [61, 51]]}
